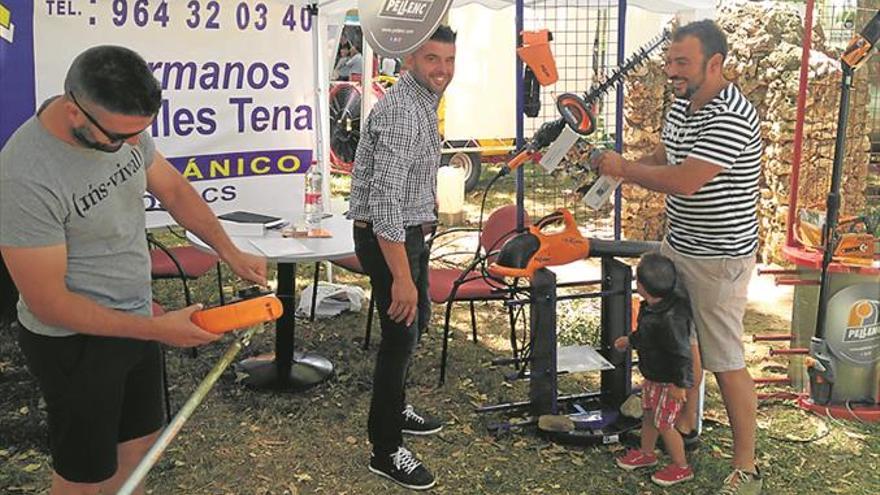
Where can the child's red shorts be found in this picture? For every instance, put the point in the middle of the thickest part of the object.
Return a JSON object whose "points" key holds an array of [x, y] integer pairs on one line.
{"points": [[657, 397]]}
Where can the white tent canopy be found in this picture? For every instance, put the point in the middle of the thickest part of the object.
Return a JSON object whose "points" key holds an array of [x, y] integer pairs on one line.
{"points": [[656, 6]]}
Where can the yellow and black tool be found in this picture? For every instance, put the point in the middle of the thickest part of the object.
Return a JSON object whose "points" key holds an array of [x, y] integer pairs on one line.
{"points": [[853, 239]]}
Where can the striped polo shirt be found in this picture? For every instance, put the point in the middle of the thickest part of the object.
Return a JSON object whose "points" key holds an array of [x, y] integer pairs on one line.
{"points": [[720, 219]]}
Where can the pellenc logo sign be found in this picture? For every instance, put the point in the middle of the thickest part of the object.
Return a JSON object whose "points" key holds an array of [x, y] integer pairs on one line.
{"points": [[853, 325], [394, 28], [406, 10], [864, 322]]}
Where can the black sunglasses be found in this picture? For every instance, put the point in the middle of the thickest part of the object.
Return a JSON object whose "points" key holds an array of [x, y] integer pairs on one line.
{"points": [[112, 136]]}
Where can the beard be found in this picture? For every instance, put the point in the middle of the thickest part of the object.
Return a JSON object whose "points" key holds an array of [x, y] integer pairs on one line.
{"points": [[426, 83], [688, 92], [689, 89], [81, 134]]}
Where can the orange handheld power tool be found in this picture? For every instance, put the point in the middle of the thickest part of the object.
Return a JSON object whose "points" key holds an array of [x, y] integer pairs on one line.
{"points": [[540, 247], [529, 251], [254, 308]]}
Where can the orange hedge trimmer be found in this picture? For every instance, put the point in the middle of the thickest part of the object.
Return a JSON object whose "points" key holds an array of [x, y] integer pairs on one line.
{"points": [[578, 112]]}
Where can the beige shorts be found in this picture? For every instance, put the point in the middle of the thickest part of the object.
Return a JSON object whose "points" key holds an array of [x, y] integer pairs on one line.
{"points": [[718, 288]]}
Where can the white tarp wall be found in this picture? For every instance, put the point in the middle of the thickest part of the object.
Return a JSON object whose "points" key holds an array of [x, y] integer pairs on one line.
{"points": [[481, 100], [644, 19]]}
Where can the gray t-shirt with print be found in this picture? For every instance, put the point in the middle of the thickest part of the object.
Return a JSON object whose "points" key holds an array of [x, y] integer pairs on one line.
{"points": [[54, 193]]}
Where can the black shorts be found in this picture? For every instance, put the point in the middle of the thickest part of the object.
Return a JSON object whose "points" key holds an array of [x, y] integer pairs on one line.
{"points": [[99, 392]]}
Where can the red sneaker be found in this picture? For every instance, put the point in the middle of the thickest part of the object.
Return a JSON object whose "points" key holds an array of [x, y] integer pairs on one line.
{"points": [[672, 474], [635, 458]]}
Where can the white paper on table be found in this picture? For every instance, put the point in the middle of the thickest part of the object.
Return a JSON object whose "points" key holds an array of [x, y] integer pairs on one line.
{"points": [[276, 247]]}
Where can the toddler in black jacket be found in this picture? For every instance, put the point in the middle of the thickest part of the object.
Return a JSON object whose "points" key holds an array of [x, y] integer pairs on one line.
{"points": [[662, 339]]}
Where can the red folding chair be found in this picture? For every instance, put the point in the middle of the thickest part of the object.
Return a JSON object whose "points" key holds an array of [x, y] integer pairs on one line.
{"points": [[183, 263], [451, 285]]}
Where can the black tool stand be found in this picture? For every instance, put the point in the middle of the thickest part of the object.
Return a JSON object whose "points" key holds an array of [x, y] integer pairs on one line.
{"points": [[596, 414]]}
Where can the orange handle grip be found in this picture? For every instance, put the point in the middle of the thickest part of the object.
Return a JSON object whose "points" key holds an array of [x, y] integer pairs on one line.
{"points": [[536, 37], [519, 159], [563, 215], [505, 271], [240, 314]]}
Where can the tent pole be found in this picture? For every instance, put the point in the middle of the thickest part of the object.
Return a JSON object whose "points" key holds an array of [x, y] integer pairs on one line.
{"points": [[618, 117], [520, 104], [321, 105]]}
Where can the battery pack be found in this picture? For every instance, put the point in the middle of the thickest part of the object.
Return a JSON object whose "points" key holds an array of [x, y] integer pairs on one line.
{"points": [[241, 314]]}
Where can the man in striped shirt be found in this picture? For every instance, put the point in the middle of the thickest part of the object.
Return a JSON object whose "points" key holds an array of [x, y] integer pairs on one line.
{"points": [[393, 197], [708, 164]]}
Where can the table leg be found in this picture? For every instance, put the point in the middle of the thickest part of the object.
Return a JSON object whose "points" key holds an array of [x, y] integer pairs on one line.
{"points": [[315, 290], [285, 327], [286, 370]]}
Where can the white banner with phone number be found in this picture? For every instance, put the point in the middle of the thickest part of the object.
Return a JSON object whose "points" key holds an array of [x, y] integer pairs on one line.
{"points": [[237, 115]]}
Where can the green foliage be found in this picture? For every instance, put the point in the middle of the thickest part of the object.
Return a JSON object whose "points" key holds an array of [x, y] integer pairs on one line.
{"points": [[872, 220], [578, 322]]}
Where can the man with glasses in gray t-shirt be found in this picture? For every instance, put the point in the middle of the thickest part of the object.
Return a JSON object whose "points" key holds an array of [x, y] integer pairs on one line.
{"points": [[72, 234]]}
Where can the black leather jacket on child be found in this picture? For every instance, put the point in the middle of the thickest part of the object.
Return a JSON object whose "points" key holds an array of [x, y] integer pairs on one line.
{"points": [[663, 341]]}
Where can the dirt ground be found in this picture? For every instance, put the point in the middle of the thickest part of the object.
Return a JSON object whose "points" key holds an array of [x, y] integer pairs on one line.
{"points": [[241, 441]]}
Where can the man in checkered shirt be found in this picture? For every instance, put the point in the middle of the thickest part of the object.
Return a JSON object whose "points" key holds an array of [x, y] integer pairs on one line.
{"points": [[393, 196]]}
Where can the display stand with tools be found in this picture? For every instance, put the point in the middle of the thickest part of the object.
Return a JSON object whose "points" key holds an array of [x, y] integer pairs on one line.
{"points": [[835, 337], [591, 417]]}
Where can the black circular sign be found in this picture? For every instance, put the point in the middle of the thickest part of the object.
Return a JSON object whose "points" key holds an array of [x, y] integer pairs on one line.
{"points": [[394, 28]]}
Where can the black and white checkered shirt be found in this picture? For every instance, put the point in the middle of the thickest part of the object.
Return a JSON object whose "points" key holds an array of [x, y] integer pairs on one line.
{"points": [[394, 181]]}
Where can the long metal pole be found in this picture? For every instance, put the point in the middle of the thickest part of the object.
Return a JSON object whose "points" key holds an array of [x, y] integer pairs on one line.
{"points": [[618, 110], [152, 456], [822, 373], [798, 146], [832, 204], [321, 103], [520, 105]]}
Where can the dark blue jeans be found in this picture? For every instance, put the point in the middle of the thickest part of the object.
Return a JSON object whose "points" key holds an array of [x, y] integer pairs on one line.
{"points": [[398, 339]]}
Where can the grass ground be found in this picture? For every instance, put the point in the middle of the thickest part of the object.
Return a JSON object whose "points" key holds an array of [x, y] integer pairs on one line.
{"points": [[241, 441]]}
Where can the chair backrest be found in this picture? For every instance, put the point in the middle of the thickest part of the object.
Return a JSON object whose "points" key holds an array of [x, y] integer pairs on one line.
{"points": [[499, 227]]}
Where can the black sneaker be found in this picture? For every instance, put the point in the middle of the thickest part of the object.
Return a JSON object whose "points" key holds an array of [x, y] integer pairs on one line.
{"points": [[403, 468], [418, 424]]}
